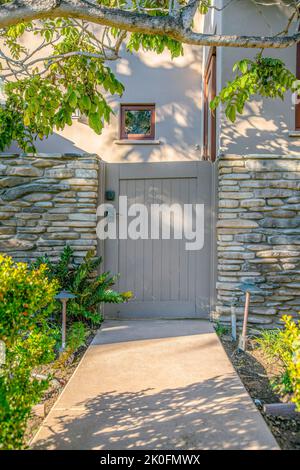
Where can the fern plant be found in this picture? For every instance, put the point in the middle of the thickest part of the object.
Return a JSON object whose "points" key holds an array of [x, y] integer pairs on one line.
{"points": [[90, 289]]}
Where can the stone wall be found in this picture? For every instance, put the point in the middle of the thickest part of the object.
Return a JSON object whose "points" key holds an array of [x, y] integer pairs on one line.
{"points": [[258, 233], [46, 202]]}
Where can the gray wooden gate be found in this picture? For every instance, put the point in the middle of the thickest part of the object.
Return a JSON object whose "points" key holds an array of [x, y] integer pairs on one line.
{"points": [[167, 280]]}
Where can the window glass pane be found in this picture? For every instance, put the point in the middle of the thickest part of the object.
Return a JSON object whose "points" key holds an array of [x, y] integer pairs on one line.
{"points": [[138, 122]]}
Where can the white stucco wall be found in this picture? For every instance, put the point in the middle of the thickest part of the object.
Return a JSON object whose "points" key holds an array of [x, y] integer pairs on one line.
{"points": [[264, 127], [175, 86]]}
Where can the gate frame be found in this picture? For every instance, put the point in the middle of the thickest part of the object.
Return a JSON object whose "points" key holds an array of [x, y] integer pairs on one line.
{"points": [[115, 172]]}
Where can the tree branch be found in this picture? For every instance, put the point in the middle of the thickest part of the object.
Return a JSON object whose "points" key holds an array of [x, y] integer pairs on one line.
{"points": [[38, 61], [172, 26], [188, 12]]}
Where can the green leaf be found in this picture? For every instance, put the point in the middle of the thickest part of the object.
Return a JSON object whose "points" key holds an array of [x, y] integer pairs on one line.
{"points": [[230, 112], [26, 119], [72, 100], [95, 123], [243, 65], [85, 102]]}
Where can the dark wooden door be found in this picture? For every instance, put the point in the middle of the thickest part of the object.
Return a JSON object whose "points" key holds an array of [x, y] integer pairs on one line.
{"points": [[209, 135]]}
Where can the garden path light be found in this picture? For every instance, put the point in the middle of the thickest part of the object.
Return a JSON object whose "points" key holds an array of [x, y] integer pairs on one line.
{"points": [[249, 287], [64, 296]]}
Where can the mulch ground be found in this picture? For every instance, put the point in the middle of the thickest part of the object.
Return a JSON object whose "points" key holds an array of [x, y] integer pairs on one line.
{"points": [[257, 374]]}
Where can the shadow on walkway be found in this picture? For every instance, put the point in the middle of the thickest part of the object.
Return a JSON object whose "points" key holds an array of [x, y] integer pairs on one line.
{"points": [[212, 414]]}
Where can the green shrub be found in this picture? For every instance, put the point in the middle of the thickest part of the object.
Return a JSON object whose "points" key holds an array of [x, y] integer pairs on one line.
{"points": [[221, 329], [284, 347], [76, 338], [291, 335], [26, 301], [90, 289], [77, 334]]}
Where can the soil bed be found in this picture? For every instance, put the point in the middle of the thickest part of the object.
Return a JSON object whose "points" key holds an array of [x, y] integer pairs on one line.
{"points": [[257, 373]]}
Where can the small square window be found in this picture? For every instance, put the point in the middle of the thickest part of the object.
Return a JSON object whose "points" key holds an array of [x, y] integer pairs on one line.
{"points": [[137, 122]]}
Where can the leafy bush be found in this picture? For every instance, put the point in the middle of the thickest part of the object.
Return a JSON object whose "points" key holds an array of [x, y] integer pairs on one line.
{"points": [[284, 346], [90, 289], [76, 336], [26, 301]]}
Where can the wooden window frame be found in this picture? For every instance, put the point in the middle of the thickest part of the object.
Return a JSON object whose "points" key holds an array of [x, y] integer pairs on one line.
{"points": [[137, 107], [210, 80], [297, 105]]}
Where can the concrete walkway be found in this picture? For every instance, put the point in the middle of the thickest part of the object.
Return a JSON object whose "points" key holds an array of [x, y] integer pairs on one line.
{"points": [[155, 385]]}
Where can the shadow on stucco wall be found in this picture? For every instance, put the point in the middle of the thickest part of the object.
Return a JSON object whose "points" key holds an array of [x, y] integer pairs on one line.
{"points": [[175, 86]]}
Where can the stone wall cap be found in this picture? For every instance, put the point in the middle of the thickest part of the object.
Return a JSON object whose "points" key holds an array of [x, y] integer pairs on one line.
{"points": [[257, 156], [9, 155], [79, 155], [65, 155]]}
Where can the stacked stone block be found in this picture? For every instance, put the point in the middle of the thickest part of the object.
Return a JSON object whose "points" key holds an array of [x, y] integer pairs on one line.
{"points": [[258, 235], [46, 202]]}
